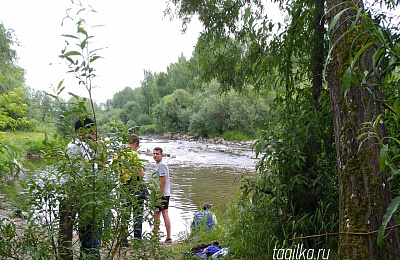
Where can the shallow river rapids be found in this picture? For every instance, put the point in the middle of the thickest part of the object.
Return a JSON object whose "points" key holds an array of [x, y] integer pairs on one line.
{"points": [[199, 172]]}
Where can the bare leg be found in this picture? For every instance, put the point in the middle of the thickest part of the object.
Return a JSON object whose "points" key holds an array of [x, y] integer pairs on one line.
{"points": [[167, 222]]}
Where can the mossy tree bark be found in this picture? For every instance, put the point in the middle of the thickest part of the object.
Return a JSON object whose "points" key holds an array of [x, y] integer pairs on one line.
{"points": [[364, 193]]}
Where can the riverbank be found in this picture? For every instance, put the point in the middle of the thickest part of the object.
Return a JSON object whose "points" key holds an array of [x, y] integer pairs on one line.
{"points": [[197, 164], [176, 250], [215, 140], [207, 144]]}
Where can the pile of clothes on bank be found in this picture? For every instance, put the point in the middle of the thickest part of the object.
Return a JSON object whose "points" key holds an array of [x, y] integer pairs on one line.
{"points": [[213, 250]]}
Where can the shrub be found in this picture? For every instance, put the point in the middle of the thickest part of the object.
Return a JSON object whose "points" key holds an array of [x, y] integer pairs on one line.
{"points": [[148, 129], [236, 135]]}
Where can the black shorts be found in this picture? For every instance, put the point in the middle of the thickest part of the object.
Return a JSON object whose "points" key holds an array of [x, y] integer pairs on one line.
{"points": [[164, 203]]}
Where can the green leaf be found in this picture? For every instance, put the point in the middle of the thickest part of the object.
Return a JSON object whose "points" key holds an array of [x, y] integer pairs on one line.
{"points": [[70, 36], [395, 139], [60, 84], [74, 95], [376, 123], [396, 107], [83, 44], [347, 79], [95, 50], [359, 12], [383, 155], [51, 95], [388, 215], [60, 90], [9, 150], [60, 87], [70, 53], [336, 19], [70, 60], [81, 10], [94, 58], [246, 15], [251, 22], [81, 30], [362, 135], [361, 52]]}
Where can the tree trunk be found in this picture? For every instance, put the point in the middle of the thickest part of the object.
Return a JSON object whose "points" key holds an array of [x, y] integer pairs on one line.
{"points": [[318, 52], [364, 193], [66, 230]]}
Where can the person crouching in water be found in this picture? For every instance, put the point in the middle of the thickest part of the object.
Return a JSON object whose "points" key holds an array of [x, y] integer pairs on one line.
{"points": [[205, 219]]}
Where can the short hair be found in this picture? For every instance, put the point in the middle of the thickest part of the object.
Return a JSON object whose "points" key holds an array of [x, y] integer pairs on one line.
{"points": [[206, 206], [133, 139], [158, 149], [87, 123]]}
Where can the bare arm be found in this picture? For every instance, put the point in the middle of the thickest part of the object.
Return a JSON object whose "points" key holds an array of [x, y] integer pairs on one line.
{"points": [[162, 184], [140, 172]]}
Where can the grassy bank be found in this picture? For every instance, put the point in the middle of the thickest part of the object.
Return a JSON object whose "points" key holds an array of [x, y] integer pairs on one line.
{"points": [[26, 141], [25, 144]]}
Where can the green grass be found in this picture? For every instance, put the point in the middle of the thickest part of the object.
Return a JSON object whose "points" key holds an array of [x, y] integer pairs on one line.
{"points": [[234, 135], [26, 142]]}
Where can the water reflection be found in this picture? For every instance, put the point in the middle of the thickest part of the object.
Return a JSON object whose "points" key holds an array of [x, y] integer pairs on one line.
{"points": [[199, 173]]}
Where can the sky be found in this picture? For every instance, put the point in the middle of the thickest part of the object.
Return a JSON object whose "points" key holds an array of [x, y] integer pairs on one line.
{"points": [[135, 36]]}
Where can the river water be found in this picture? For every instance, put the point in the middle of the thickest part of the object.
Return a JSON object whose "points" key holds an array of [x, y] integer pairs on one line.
{"points": [[199, 173]]}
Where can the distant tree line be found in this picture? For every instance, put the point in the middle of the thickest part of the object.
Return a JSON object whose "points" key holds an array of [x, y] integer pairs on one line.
{"points": [[176, 100]]}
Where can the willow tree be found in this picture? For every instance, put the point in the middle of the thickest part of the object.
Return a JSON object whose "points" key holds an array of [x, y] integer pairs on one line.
{"points": [[364, 192], [243, 48], [11, 75]]}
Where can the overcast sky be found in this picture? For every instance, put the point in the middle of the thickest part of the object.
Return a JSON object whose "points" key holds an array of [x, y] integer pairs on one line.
{"points": [[136, 36]]}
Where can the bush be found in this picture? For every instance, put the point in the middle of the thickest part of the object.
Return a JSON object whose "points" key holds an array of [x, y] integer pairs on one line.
{"points": [[148, 129], [35, 146]]}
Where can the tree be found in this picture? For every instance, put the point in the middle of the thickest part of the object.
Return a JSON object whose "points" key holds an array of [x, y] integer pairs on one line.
{"points": [[211, 118], [122, 97], [41, 107], [130, 111], [166, 113], [179, 75], [12, 110], [364, 192], [10, 74], [148, 93], [243, 49]]}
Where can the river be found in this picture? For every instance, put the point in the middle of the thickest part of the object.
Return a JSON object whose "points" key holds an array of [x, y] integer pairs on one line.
{"points": [[199, 173]]}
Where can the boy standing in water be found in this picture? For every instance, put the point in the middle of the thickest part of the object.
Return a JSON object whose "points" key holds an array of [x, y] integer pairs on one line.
{"points": [[162, 173]]}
